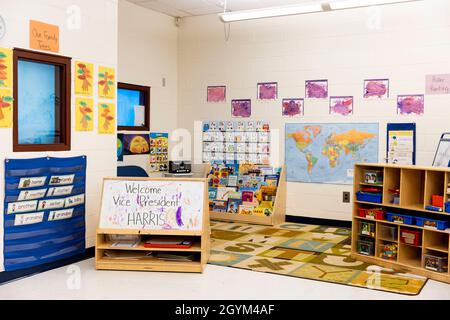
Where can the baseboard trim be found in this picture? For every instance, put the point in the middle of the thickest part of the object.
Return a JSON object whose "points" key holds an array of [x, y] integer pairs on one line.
{"points": [[319, 221], [9, 276]]}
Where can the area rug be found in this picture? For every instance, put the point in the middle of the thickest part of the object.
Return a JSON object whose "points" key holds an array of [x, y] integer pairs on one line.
{"points": [[304, 251]]}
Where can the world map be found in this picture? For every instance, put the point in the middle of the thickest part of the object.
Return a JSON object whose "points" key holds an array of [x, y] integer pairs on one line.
{"points": [[327, 152]]}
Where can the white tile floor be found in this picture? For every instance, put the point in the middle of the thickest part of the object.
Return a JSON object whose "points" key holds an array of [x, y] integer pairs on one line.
{"points": [[82, 281]]}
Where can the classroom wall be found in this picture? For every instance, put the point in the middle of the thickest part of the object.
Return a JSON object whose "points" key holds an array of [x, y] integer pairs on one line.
{"points": [[147, 53], [401, 42], [94, 40]]}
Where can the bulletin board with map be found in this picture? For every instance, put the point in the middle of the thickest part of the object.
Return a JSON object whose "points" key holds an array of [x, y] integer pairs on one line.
{"points": [[327, 152]]}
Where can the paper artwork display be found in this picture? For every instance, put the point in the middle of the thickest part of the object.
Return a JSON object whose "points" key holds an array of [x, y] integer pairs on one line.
{"points": [[216, 94], [241, 108], [376, 88], [410, 104], [84, 114], [106, 83], [341, 105], [106, 118], [316, 89], [136, 144], [292, 107], [267, 90], [6, 74], [84, 78], [6, 108], [120, 146], [401, 147], [159, 152]]}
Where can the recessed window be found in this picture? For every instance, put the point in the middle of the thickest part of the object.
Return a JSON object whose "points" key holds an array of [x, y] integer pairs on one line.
{"points": [[41, 102], [133, 110]]}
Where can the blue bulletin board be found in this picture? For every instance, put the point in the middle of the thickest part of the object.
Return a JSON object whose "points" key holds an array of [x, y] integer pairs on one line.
{"points": [[401, 143], [44, 210]]}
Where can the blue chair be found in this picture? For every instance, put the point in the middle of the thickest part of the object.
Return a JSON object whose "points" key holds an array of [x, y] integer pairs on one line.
{"points": [[131, 171]]}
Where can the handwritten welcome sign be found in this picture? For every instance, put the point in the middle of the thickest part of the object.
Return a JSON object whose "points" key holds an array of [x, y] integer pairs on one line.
{"points": [[152, 204], [44, 36], [438, 84]]}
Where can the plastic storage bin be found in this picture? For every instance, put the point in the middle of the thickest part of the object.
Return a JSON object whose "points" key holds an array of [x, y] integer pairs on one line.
{"points": [[432, 223], [436, 262], [389, 251], [447, 207], [375, 213], [399, 218], [369, 197], [366, 247], [389, 233], [412, 237]]}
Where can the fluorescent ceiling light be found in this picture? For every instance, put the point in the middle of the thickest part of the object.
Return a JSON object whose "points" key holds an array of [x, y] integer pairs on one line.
{"points": [[269, 12], [347, 4]]}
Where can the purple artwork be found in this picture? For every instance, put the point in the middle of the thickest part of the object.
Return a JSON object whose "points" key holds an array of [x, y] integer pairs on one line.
{"points": [[292, 107], [241, 108], [341, 105], [376, 88], [410, 104], [316, 89], [267, 90], [216, 94]]}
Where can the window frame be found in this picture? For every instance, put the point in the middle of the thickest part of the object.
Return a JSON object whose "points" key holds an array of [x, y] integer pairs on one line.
{"points": [[145, 90], [65, 63]]}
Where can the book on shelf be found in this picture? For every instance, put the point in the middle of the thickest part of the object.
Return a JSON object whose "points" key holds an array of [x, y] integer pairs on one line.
{"points": [[168, 242]]}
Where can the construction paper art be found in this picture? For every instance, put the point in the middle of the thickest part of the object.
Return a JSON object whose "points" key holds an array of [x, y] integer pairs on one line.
{"points": [[106, 118], [410, 104], [376, 88], [6, 105], [106, 83], [216, 94], [292, 107], [341, 105], [316, 89], [241, 108], [84, 114], [267, 90], [83, 78], [136, 144], [5, 68]]}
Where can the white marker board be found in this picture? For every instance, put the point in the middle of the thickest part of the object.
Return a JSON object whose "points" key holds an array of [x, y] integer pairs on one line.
{"points": [[155, 204]]}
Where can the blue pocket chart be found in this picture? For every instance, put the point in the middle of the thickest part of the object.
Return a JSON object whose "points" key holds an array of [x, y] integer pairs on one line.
{"points": [[44, 210]]}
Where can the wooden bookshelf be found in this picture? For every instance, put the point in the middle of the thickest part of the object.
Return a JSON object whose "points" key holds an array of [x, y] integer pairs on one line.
{"points": [[278, 214], [417, 185], [140, 260]]}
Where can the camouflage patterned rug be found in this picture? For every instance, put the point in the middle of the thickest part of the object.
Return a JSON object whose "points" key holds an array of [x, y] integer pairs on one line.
{"points": [[304, 251]]}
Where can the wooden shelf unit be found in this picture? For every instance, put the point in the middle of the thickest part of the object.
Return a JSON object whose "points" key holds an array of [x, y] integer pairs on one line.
{"points": [[416, 185], [278, 214]]}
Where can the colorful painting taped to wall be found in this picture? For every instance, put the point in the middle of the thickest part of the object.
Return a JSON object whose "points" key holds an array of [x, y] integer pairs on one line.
{"points": [[316, 89], [120, 146], [241, 108], [5, 68], [292, 107], [216, 94], [136, 144], [341, 105], [83, 78], [106, 83], [106, 118], [376, 88], [410, 104], [267, 90], [84, 114], [6, 105]]}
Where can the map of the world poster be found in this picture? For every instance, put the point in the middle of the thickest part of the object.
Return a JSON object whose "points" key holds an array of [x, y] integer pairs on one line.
{"points": [[327, 152]]}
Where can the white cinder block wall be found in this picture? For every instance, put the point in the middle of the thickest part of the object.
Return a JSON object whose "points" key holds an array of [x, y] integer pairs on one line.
{"points": [[400, 42], [95, 40]]}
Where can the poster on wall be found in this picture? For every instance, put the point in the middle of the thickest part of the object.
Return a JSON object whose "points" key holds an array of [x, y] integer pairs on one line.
{"points": [[45, 212], [241, 108], [316, 89], [267, 91], [292, 107], [327, 152], [216, 94], [159, 152], [106, 118], [6, 108], [376, 88], [120, 147], [84, 114], [106, 83], [44, 36], [83, 78], [401, 143], [136, 144], [341, 105], [412, 104], [152, 204], [437, 84], [6, 74]]}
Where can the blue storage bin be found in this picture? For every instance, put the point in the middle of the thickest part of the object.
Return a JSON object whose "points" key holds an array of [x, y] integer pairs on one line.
{"points": [[432, 223], [447, 207], [395, 217], [369, 197]]}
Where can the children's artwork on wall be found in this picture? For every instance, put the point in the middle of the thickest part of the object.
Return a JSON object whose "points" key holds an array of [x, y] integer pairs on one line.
{"points": [[136, 144], [5, 68], [341, 105], [410, 104], [316, 89], [6, 105], [327, 152], [159, 152], [376, 88], [120, 146], [84, 114], [292, 107], [106, 83], [83, 78], [106, 118], [241, 108], [267, 90], [216, 94]]}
